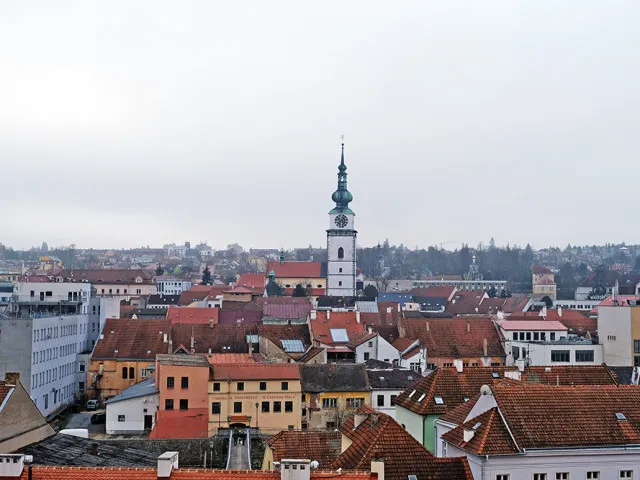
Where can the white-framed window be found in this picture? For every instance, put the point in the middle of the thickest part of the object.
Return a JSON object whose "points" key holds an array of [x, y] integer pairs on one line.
{"points": [[593, 475], [444, 448], [626, 474], [562, 476], [503, 476], [539, 476]]}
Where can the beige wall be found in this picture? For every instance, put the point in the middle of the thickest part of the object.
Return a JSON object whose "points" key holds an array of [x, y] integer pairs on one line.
{"points": [[317, 416], [122, 290], [272, 351], [111, 383], [292, 282], [21, 423], [229, 394]]}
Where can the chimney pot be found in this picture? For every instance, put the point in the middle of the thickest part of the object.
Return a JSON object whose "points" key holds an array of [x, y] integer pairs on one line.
{"points": [[166, 463], [468, 327], [358, 317], [458, 364], [468, 434]]}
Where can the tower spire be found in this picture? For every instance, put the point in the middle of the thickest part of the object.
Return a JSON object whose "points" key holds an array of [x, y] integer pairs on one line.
{"points": [[342, 196]]}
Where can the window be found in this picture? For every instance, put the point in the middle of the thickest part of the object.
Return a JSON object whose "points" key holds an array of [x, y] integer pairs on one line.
{"points": [[288, 406], [593, 475], [263, 385], [552, 336], [503, 476], [559, 355], [341, 252], [542, 476], [168, 404], [522, 336], [170, 382], [216, 387], [515, 351], [265, 407], [536, 336], [355, 402], [277, 406], [132, 372], [515, 335], [184, 382], [415, 366], [380, 400], [528, 336], [393, 399], [366, 356], [124, 372], [215, 408], [284, 386], [81, 386], [584, 355], [121, 418], [636, 346], [340, 284], [626, 473], [331, 425], [329, 403], [447, 364], [562, 476], [444, 448], [240, 386], [237, 407]]}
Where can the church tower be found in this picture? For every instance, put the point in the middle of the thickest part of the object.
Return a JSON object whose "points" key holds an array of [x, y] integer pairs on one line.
{"points": [[341, 240]]}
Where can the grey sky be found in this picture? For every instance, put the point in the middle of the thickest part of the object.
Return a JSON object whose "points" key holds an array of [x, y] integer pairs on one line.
{"points": [[130, 123]]}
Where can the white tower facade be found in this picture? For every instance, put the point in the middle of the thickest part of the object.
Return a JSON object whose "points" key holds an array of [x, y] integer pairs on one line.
{"points": [[341, 240]]}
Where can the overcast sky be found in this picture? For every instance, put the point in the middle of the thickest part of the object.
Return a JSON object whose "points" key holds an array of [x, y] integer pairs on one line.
{"points": [[132, 123]]}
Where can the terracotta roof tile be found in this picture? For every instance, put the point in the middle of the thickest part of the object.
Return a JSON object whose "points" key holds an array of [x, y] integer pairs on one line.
{"points": [[135, 339], [4, 390], [386, 317], [288, 311], [200, 292], [310, 354], [540, 270], [184, 315], [257, 371], [246, 317], [491, 436], [434, 291], [323, 447], [100, 276], [321, 326], [252, 280], [219, 338], [302, 270], [380, 436], [455, 337], [466, 302], [275, 333]]}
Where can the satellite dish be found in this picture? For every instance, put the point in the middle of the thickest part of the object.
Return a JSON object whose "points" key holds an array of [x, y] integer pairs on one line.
{"points": [[315, 464], [485, 390]]}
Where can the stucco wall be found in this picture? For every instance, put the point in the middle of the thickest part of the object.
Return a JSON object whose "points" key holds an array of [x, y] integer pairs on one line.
{"points": [[614, 333], [133, 411], [413, 423]]}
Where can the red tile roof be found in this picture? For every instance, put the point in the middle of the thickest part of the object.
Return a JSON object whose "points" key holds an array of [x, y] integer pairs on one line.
{"points": [[380, 437], [220, 338], [434, 291], [135, 339], [231, 358], [540, 270], [276, 333], [4, 390], [185, 315], [289, 311], [252, 280], [491, 306], [454, 387], [120, 473], [257, 371], [588, 415], [454, 337], [466, 302], [239, 318], [389, 318], [200, 292], [108, 276], [324, 447], [302, 270], [491, 436], [321, 326], [515, 303]]}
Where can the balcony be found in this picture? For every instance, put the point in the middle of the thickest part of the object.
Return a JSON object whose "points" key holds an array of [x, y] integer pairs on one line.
{"points": [[49, 300]]}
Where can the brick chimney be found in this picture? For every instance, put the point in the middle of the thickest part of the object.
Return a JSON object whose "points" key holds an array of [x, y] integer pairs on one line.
{"points": [[377, 464], [12, 378]]}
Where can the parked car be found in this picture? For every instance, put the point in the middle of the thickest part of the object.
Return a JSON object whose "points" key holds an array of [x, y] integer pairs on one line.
{"points": [[93, 405], [99, 418]]}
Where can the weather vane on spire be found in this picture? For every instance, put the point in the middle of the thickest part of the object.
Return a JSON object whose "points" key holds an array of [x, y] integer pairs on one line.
{"points": [[342, 138]]}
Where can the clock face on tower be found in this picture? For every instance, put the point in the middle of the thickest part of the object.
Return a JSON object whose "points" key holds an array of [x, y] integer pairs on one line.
{"points": [[341, 221]]}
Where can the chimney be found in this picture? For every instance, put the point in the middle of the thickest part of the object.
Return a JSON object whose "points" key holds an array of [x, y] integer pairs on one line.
{"points": [[513, 374], [193, 350], [12, 378], [358, 317], [377, 465], [544, 311], [485, 348], [313, 314], [250, 348], [520, 365], [468, 434], [295, 469], [389, 309], [328, 314], [166, 463], [560, 310], [458, 364], [358, 418], [209, 351], [164, 338], [12, 465], [427, 326], [369, 330], [212, 322], [468, 327]]}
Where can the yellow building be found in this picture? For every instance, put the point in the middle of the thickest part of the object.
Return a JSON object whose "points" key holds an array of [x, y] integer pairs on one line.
{"points": [[48, 263], [543, 282], [330, 393], [290, 274], [265, 396]]}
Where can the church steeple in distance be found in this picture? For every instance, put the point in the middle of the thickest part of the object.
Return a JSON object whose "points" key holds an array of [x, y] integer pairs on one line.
{"points": [[342, 196], [341, 240]]}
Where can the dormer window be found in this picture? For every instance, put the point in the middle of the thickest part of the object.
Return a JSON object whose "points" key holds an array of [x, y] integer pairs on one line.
{"points": [[439, 400], [138, 280]]}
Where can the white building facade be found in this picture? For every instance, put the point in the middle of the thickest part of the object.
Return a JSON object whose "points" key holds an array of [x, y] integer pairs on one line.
{"points": [[133, 410], [341, 240], [172, 285]]}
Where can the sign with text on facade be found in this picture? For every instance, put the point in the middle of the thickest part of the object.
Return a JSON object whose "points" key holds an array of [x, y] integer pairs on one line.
{"points": [[254, 397]]}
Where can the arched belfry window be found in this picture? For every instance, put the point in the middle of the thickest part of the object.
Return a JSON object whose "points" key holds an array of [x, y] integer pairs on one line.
{"points": [[341, 252]]}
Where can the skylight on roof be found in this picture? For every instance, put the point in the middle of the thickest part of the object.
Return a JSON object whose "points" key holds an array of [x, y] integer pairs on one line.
{"points": [[412, 477], [252, 339], [422, 397], [495, 375], [339, 334], [412, 394], [292, 346], [466, 399], [620, 416], [477, 426], [382, 379], [439, 400]]}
